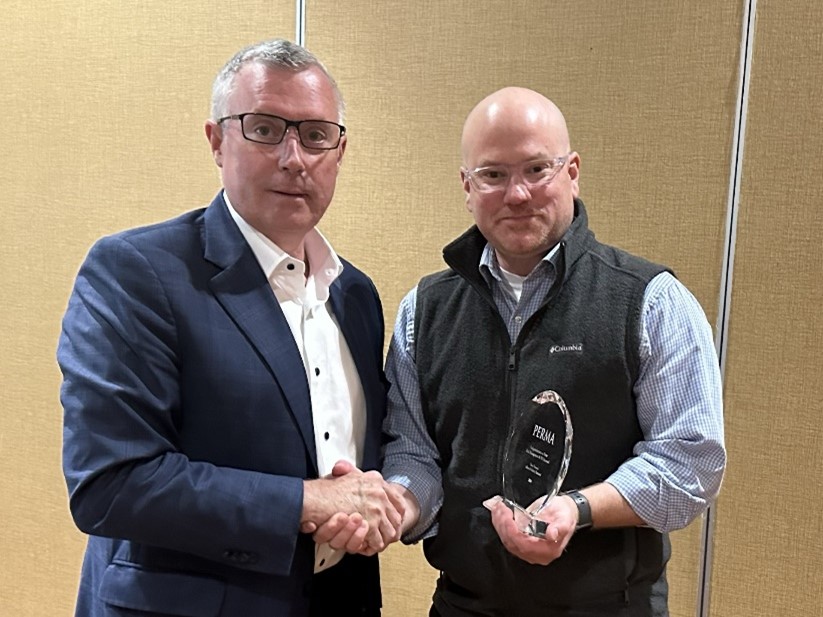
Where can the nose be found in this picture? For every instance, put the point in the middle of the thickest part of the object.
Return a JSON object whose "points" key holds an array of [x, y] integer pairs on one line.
{"points": [[290, 151], [517, 192]]}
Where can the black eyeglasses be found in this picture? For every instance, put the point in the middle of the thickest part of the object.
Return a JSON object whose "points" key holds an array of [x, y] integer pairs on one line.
{"points": [[269, 129]]}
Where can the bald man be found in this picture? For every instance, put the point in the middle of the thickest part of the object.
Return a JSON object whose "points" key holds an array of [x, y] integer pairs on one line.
{"points": [[531, 301]]}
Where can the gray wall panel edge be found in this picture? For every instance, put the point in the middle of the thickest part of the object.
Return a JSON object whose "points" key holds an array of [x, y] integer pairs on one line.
{"points": [[300, 22], [724, 303]]}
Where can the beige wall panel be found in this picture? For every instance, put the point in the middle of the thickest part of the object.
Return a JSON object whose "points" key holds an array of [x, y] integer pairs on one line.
{"points": [[648, 89], [104, 104], [769, 535]]}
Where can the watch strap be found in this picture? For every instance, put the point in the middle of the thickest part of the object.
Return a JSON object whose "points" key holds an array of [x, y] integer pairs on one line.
{"points": [[584, 510]]}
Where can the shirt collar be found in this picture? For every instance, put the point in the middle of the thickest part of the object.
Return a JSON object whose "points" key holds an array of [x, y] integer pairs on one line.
{"points": [[490, 268], [274, 261]]}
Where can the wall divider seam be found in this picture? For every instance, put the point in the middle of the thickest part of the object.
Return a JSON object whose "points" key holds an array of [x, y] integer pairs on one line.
{"points": [[300, 23], [725, 291]]}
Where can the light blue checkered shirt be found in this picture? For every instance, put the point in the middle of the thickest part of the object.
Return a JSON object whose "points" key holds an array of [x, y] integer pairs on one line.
{"points": [[675, 471]]}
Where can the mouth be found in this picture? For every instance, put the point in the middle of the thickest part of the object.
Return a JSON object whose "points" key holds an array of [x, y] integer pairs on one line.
{"points": [[291, 194], [520, 217]]}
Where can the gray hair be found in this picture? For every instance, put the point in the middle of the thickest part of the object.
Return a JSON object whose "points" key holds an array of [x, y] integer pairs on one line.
{"points": [[275, 54]]}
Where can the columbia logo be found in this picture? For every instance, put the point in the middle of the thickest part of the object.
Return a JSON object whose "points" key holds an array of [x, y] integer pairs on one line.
{"points": [[575, 348]]}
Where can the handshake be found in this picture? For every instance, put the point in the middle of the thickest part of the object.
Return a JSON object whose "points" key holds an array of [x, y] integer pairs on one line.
{"points": [[356, 511]]}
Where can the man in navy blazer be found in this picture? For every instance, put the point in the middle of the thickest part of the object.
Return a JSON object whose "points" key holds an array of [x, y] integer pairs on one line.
{"points": [[218, 365]]}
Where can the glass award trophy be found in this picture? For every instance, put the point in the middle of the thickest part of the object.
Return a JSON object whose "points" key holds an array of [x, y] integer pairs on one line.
{"points": [[536, 459]]}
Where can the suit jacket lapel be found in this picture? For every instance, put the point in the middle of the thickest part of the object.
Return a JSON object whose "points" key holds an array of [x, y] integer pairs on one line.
{"points": [[353, 326], [243, 291]]}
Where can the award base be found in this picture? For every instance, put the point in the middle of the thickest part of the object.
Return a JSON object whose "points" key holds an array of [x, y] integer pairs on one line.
{"points": [[526, 522]]}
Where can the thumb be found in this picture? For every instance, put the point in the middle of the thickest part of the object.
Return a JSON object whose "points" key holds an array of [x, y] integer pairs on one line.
{"points": [[342, 467]]}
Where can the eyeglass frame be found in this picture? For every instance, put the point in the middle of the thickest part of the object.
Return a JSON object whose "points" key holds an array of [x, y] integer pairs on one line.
{"points": [[469, 173], [289, 123]]}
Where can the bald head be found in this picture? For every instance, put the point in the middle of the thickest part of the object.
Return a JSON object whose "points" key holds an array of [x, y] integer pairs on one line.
{"points": [[508, 118], [519, 176]]}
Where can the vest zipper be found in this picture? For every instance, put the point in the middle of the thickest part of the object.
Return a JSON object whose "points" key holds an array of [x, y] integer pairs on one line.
{"points": [[511, 370]]}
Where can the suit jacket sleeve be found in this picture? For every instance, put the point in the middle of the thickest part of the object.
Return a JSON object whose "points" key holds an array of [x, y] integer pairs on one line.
{"points": [[127, 474]]}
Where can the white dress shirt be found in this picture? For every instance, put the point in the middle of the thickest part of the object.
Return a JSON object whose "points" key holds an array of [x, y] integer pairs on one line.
{"points": [[337, 399]]}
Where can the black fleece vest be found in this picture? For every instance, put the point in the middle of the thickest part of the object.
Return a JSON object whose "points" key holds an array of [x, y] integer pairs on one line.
{"points": [[583, 343]]}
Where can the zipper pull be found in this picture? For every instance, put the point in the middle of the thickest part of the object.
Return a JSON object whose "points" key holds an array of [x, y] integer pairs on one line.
{"points": [[512, 360]]}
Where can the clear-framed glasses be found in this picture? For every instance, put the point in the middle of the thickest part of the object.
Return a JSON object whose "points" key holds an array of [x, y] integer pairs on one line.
{"points": [[533, 174], [269, 129]]}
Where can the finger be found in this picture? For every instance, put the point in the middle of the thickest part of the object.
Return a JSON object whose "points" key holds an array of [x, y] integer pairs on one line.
{"points": [[357, 541], [387, 501], [398, 505], [491, 502], [341, 540], [552, 534], [328, 530], [343, 467], [395, 494], [308, 527], [389, 531], [367, 551], [380, 533]]}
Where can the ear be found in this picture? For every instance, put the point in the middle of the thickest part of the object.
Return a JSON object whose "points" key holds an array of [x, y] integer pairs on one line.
{"points": [[341, 149], [214, 133], [464, 178], [574, 172]]}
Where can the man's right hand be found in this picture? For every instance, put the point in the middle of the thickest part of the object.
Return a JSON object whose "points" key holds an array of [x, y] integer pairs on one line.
{"points": [[356, 511]]}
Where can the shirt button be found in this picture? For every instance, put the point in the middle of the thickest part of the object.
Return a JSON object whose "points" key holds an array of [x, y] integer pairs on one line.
{"points": [[317, 371], [322, 562], [518, 318], [326, 435], [290, 266]]}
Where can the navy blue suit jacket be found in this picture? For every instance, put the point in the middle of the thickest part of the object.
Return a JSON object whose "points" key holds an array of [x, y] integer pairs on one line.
{"points": [[188, 424]]}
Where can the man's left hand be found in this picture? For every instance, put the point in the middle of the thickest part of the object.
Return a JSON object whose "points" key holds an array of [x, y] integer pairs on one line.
{"points": [[560, 514]]}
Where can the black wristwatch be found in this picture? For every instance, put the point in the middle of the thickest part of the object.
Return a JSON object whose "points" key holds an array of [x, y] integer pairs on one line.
{"points": [[584, 510]]}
